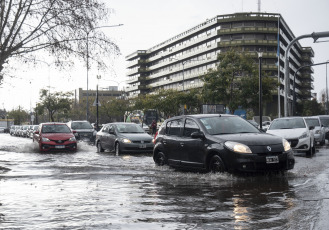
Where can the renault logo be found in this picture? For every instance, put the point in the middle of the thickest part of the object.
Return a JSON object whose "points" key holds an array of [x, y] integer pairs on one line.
{"points": [[269, 148]]}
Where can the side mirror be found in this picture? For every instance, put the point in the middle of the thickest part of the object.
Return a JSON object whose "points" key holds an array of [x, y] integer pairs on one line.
{"points": [[311, 127], [111, 131], [197, 135], [36, 132], [74, 132]]}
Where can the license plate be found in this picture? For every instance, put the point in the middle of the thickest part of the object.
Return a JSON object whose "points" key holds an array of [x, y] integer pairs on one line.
{"points": [[142, 146], [59, 146], [272, 159]]}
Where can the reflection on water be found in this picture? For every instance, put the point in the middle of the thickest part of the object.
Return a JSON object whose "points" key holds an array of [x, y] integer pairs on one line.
{"points": [[89, 190]]}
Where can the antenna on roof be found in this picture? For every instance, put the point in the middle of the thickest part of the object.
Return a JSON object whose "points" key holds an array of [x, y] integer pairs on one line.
{"points": [[259, 3]]}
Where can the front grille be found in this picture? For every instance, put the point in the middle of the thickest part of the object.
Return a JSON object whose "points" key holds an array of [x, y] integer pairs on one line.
{"points": [[60, 141], [141, 142], [293, 142]]}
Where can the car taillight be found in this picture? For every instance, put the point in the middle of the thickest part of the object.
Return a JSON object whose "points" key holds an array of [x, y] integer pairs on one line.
{"points": [[156, 134]]}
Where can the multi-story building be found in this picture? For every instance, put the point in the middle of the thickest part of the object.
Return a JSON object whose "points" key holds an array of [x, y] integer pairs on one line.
{"points": [[178, 62], [109, 93]]}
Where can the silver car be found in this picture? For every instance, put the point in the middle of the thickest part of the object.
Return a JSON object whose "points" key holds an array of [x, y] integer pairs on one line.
{"points": [[319, 130]]}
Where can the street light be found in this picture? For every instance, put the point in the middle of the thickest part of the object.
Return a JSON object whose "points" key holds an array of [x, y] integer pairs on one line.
{"points": [[260, 56], [87, 32], [294, 96], [98, 77], [315, 36]]}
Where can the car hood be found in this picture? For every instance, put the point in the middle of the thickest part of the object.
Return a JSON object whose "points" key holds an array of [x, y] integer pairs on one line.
{"points": [[252, 139], [58, 136], [136, 136], [287, 133]]}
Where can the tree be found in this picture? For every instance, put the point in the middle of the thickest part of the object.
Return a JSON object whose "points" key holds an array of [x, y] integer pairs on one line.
{"points": [[19, 115], [310, 108], [60, 27], [57, 102], [235, 82]]}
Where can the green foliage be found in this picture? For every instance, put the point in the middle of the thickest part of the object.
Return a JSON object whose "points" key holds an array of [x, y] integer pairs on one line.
{"points": [[19, 115], [57, 102], [309, 108], [235, 82]]}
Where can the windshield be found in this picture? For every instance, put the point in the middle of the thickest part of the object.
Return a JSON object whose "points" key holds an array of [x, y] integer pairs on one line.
{"points": [[129, 128], [288, 123], [52, 128], [81, 125], [312, 121], [325, 121], [227, 125]]}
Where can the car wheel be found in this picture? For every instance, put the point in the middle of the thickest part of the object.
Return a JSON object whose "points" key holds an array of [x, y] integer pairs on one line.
{"points": [[160, 159], [216, 164], [99, 147], [117, 149], [310, 151], [313, 148], [322, 142]]}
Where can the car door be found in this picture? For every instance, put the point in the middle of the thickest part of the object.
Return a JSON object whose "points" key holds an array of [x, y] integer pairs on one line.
{"points": [[192, 148], [171, 143], [112, 136]]}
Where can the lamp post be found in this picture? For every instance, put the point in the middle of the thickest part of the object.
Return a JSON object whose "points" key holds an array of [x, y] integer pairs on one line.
{"points": [[97, 103], [327, 87], [87, 46], [315, 36], [294, 91], [260, 56]]}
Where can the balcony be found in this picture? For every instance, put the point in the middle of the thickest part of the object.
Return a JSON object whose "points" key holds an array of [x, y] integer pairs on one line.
{"points": [[244, 30], [247, 42]]}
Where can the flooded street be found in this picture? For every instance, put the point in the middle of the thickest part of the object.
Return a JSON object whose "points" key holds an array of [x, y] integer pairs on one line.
{"points": [[89, 190]]}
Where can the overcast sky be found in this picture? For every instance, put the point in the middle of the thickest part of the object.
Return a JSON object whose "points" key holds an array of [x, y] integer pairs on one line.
{"points": [[149, 22]]}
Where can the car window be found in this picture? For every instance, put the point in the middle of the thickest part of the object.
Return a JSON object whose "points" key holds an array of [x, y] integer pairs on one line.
{"points": [[129, 128], [227, 125], [174, 127], [52, 128], [312, 121], [288, 123], [81, 125], [325, 121], [190, 127]]}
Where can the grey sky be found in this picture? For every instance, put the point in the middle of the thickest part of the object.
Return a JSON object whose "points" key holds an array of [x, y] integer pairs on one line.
{"points": [[149, 22]]}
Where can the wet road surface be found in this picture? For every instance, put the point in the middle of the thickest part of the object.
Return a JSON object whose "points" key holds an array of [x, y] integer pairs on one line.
{"points": [[89, 190]]}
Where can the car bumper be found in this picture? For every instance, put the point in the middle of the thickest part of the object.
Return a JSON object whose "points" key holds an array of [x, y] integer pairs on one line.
{"points": [[46, 147], [136, 148], [264, 163]]}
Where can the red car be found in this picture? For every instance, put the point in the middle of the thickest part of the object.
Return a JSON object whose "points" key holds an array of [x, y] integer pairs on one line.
{"points": [[55, 136]]}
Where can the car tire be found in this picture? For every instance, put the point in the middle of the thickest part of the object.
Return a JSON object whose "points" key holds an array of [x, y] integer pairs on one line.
{"points": [[310, 152], [216, 165], [323, 142], [99, 147], [117, 149], [160, 159]]}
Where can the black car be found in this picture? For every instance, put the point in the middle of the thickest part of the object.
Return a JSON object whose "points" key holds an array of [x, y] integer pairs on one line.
{"points": [[219, 143], [84, 131], [124, 137]]}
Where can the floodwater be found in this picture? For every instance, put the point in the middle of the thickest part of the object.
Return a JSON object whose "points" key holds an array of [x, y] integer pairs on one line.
{"points": [[89, 190]]}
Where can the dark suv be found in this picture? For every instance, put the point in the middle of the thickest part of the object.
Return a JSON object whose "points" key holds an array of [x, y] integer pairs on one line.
{"points": [[219, 143], [83, 130]]}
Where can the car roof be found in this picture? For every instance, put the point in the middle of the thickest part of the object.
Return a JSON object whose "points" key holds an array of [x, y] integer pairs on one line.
{"points": [[53, 123], [201, 116]]}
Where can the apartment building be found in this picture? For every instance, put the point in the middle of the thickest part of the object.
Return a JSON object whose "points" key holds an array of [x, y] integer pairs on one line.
{"points": [[178, 62]]}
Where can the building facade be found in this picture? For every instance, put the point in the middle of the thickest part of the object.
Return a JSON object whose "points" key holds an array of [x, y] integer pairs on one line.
{"points": [[178, 62], [103, 94]]}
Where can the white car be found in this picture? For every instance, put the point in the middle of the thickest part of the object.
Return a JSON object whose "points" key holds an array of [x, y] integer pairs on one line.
{"points": [[319, 130], [296, 131]]}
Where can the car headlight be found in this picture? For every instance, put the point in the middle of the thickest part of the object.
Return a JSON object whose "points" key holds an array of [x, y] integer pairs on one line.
{"points": [[286, 145], [237, 147], [304, 135], [125, 140], [45, 139], [72, 139]]}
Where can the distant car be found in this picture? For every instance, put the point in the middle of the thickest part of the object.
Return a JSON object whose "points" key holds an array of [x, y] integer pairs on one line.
{"points": [[31, 130], [124, 138], [296, 131], [145, 127], [2, 129], [54, 136], [84, 131], [24, 129], [12, 130], [18, 130], [319, 130], [325, 122], [219, 143]]}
